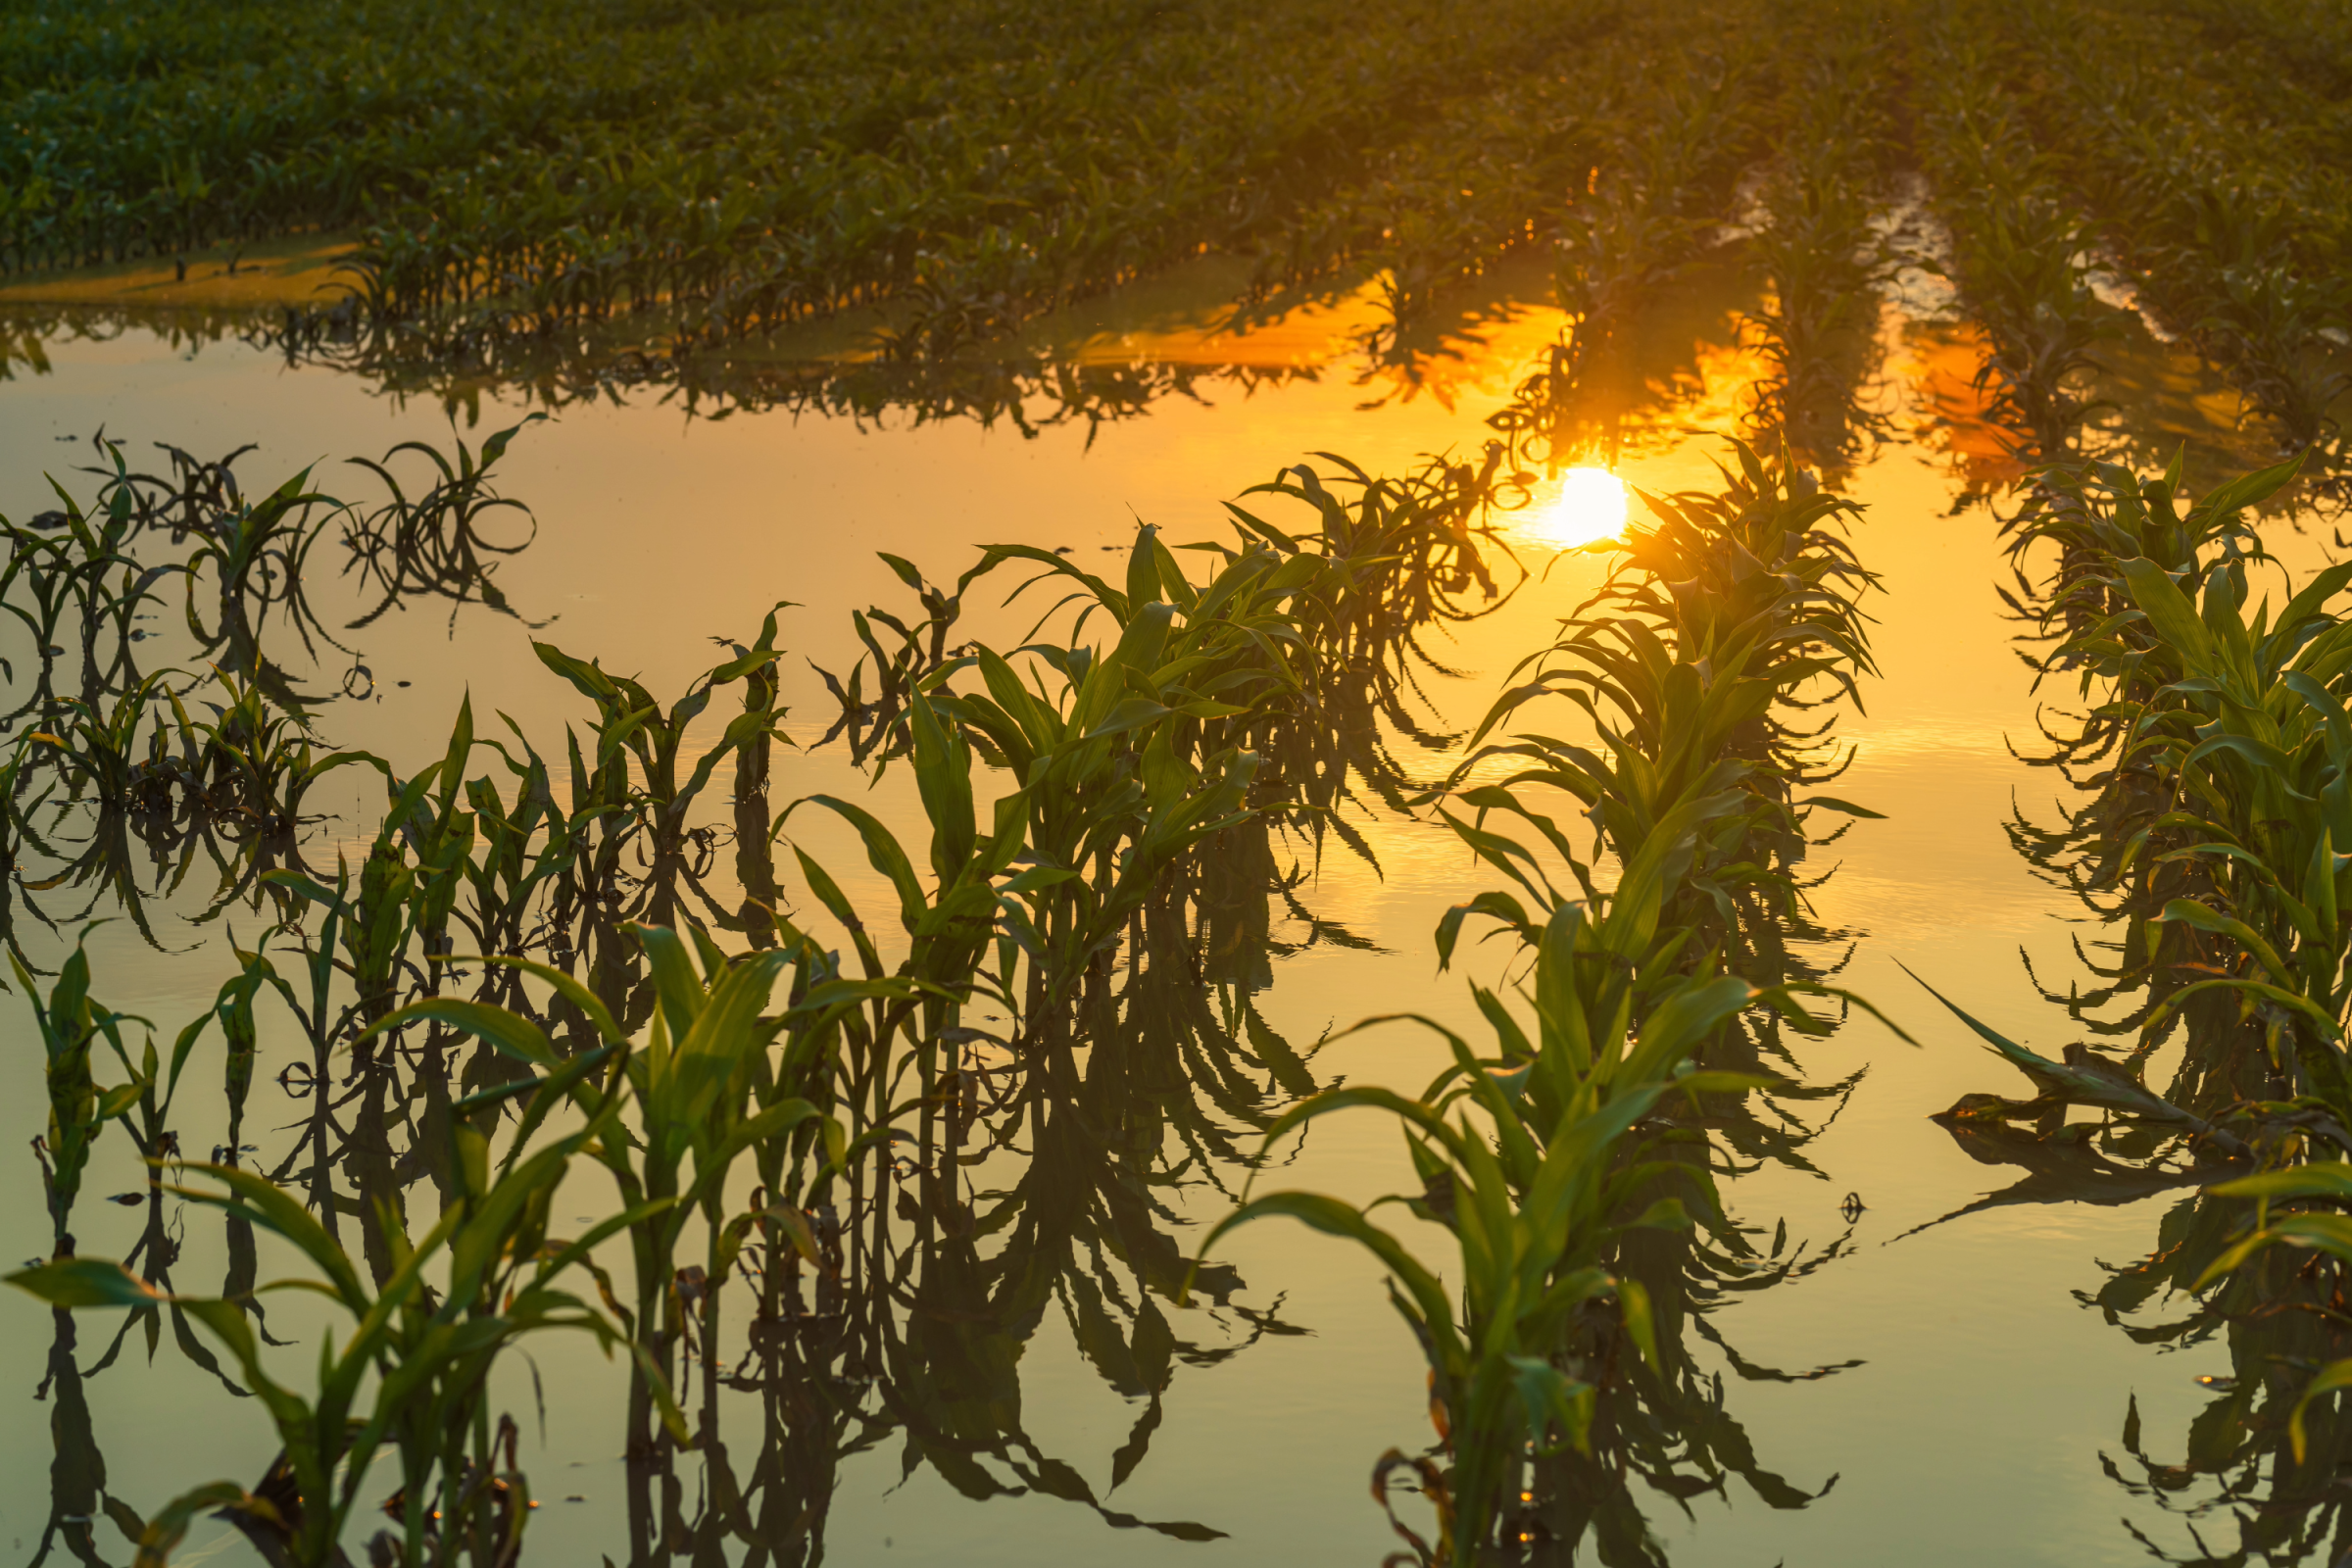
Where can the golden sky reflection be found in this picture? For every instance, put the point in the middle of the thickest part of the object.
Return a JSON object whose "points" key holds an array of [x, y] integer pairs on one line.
{"points": [[1587, 506]]}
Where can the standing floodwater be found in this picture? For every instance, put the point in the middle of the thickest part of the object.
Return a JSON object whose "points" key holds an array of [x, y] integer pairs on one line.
{"points": [[708, 782]]}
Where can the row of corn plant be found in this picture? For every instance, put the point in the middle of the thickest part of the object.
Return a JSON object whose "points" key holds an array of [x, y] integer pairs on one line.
{"points": [[1541, 1154], [682, 1131], [666, 1118], [385, 935], [456, 861], [2228, 215], [2183, 839], [1819, 246], [2207, 753], [1285, 660], [1662, 189], [2022, 249]]}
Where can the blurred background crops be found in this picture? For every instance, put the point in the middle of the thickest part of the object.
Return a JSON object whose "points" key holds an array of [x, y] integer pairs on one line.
{"points": [[669, 178], [770, 159]]}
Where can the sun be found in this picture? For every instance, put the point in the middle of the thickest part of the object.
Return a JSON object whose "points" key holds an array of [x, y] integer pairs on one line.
{"points": [[1590, 509]]}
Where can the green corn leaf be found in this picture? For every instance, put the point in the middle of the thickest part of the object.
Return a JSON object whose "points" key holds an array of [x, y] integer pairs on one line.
{"points": [[83, 1282]]}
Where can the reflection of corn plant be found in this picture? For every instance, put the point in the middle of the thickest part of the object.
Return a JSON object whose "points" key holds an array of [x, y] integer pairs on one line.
{"points": [[2285, 1340], [71, 1027], [1735, 606], [2265, 1431], [435, 544], [1656, 191], [15, 805], [257, 556], [250, 764]]}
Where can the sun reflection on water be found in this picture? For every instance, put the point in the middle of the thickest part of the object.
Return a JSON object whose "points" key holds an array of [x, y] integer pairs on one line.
{"points": [[1590, 509]]}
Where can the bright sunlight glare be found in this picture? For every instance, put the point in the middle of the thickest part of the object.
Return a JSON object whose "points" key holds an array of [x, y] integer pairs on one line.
{"points": [[1590, 508]]}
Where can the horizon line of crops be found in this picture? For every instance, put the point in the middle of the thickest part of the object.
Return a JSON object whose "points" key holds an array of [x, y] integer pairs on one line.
{"points": [[948, 283], [1502, 189], [378, 119], [974, 183], [2229, 234]]}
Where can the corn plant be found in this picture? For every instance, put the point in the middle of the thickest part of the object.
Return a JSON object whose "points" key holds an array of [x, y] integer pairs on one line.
{"points": [[1537, 1187], [693, 1087], [1734, 606], [629, 719], [2021, 247], [72, 1027], [414, 1376], [2226, 224], [2215, 730]]}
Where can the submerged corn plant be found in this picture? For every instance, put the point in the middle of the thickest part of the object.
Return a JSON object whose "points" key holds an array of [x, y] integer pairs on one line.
{"points": [[1819, 247], [72, 1027], [1728, 617], [1528, 1154], [2211, 741], [413, 1377], [437, 545]]}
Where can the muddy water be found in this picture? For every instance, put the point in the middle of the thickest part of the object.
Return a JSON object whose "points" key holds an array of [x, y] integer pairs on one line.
{"points": [[1986, 1401]]}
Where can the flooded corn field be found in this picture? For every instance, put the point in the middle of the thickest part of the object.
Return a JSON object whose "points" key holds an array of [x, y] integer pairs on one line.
{"points": [[1177, 783]]}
